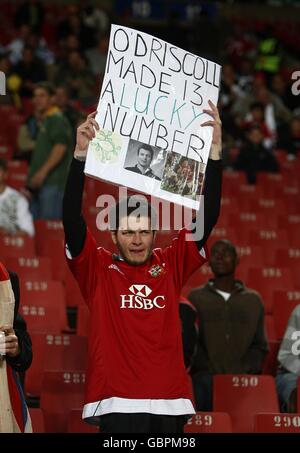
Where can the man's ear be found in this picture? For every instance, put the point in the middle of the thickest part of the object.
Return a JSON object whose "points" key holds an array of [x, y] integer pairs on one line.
{"points": [[114, 236]]}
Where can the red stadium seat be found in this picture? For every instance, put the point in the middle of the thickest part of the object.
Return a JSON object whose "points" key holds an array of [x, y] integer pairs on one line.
{"points": [[17, 246], [267, 279], [298, 395], [229, 205], [223, 233], [243, 396], [260, 237], [61, 392], [270, 328], [83, 320], [17, 180], [209, 422], [17, 174], [285, 257], [284, 304], [293, 234], [43, 306], [271, 363], [47, 229], [250, 255], [73, 294], [265, 205], [54, 249], [277, 423], [249, 219], [53, 352], [37, 420], [197, 279], [285, 221], [6, 150], [38, 268], [18, 166], [77, 425]]}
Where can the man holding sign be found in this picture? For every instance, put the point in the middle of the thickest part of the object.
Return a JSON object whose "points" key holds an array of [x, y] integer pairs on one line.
{"points": [[136, 378]]}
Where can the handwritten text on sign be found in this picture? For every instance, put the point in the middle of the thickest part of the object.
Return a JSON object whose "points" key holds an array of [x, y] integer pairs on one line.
{"points": [[155, 93]]}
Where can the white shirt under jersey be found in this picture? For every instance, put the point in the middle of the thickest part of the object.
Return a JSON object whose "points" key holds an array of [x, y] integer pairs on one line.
{"points": [[224, 294], [14, 212]]}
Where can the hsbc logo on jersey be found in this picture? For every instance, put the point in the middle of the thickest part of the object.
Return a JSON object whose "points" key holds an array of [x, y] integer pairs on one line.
{"points": [[139, 298]]}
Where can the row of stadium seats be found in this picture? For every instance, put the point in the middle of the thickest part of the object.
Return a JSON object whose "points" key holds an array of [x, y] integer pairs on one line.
{"points": [[202, 422], [241, 403]]}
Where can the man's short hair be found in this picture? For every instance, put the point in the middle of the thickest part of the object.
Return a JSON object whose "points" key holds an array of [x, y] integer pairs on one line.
{"points": [[136, 206], [147, 148], [3, 164], [47, 86], [229, 245], [257, 105]]}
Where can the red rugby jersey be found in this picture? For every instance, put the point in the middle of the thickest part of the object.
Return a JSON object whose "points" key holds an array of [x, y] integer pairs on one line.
{"points": [[135, 356]]}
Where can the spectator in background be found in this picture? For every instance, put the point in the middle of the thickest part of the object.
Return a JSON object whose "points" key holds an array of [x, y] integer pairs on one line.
{"points": [[275, 113], [230, 93], [97, 55], [245, 75], [27, 134], [51, 157], [289, 364], [284, 92], [62, 100], [254, 157], [30, 13], [16, 355], [73, 24], [15, 217], [31, 70], [6, 68], [289, 138], [77, 76], [16, 46], [40, 48], [95, 18], [269, 53], [256, 116], [231, 325]]}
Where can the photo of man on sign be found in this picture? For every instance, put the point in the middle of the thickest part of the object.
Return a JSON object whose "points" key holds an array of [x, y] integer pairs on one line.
{"points": [[143, 155]]}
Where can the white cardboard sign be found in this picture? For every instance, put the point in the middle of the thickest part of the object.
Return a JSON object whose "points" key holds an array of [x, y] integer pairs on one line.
{"points": [[150, 114]]}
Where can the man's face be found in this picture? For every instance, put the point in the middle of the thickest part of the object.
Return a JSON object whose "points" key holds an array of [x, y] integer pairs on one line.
{"points": [[144, 158], [61, 97], [42, 100], [134, 239], [256, 136], [222, 260], [257, 114], [186, 169]]}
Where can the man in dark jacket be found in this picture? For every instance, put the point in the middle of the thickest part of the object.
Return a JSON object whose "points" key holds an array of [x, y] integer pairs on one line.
{"points": [[231, 325], [17, 339]]}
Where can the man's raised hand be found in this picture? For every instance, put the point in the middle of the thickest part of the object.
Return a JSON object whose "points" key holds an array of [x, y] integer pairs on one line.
{"points": [[85, 133]]}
